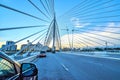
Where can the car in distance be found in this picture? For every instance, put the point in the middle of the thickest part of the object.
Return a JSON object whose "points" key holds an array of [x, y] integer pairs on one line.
{"points": [[42, 54], [12, 70]]}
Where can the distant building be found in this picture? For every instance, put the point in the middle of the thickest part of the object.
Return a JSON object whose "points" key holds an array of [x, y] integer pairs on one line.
{"points": [[7, 46], [34, 47]]}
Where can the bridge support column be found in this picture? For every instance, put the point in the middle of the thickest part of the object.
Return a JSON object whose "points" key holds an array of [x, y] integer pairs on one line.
{"points": [[54, 31]]}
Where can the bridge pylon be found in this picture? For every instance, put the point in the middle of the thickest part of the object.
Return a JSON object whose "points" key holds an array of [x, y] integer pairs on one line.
{"points": [[54, 35]]}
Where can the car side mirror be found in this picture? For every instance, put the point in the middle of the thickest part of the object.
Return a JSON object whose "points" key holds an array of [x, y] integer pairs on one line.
{"points": [[28, 70]]}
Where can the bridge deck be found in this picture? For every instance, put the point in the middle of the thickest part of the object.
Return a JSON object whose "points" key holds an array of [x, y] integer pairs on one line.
{"points": [[74, 67]]}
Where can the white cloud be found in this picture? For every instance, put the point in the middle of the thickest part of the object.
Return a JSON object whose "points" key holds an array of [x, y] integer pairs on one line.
{"points": [[1, 43], [111, 24], [76, 22], [107, 28]]}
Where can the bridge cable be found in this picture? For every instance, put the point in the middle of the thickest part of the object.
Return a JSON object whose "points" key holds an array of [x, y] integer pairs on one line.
{"points": [[4, 6], [38, 9], [23, 27]]}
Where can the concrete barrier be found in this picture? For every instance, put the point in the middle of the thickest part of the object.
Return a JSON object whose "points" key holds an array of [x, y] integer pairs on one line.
{"points": [[28, 59]]}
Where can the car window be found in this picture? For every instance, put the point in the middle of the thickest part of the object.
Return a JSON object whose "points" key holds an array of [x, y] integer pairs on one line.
{"points": [[42, 52], [6, 69]]}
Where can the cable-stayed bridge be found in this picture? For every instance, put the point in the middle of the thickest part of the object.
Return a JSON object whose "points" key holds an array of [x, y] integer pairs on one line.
{"points": [[86, 38]]}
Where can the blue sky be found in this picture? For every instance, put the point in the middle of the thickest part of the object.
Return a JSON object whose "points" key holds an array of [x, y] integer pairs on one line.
{"points": [[10, 18], [14, 19]]}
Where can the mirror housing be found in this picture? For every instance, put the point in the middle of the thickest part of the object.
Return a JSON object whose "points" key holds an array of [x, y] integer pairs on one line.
{"points": [[28, 70]]}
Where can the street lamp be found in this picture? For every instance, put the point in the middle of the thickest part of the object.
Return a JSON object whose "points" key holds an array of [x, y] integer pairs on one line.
{"points": [[73, 38]]}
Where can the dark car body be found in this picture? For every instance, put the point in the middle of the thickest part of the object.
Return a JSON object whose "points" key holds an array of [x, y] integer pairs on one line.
{"points": [[12, 70]]}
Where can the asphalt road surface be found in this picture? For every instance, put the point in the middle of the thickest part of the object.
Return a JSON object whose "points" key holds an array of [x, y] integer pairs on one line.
{"points": [[62, 66]]}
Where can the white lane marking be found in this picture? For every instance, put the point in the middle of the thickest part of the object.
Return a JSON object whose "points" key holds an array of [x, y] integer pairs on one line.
{"points": [[62, 65], [65, 67]]}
